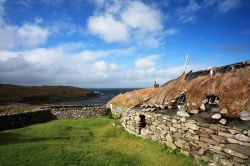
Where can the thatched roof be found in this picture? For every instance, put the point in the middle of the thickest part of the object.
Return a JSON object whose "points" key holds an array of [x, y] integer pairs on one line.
{"points": [[230, 83]]}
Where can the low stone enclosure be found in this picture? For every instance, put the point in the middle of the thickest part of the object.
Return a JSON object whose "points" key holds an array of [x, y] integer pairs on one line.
{"points": [[199, 136], [48, 113]]}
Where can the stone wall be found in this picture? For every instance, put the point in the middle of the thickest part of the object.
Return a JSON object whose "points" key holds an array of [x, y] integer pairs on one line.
{"points": [[215, 143], [45, 114], [76, 112]]}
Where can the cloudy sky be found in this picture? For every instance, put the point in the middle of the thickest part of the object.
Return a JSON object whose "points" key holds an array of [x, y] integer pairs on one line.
{"points": [[117, 43]]}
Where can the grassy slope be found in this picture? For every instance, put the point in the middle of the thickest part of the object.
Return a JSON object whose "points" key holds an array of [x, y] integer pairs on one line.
{"points": [[14, 93], [83, 142]]}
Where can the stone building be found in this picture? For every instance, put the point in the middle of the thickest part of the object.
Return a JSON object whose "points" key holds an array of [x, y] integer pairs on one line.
{"points": [[202, 114]]}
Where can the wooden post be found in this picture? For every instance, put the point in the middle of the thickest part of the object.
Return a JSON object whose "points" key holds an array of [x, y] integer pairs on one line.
{"points": [[186, 64]]}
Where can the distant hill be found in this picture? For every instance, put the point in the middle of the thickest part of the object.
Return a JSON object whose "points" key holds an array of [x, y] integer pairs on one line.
{"points": [[39, 94]]}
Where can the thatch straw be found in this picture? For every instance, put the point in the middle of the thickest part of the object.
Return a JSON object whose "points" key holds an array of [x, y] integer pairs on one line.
{"points": [[231, 85]]}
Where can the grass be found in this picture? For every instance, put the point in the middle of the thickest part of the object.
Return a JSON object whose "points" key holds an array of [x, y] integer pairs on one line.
{"points": [[83, 142]]}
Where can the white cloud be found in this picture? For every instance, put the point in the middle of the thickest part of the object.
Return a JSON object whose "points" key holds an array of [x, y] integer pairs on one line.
{"points": [[122, 21], [86, 68], [142, 17], [55, 66], [107, 28], [223, 6], [146, 62], [209, 2], [8, 37], [171, 31], [32, 35], [227, 5], [187, 13], [149, 41], [26, 36], [13, 64]]}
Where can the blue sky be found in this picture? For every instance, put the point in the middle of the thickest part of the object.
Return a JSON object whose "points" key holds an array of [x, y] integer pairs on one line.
{"points": [[115, 43]]}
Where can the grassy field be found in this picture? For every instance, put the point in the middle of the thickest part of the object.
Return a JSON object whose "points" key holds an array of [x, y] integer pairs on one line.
{"points": [[83, 142]]}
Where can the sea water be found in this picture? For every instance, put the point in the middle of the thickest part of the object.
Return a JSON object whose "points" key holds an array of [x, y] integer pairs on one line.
{"points": [[106, 94]]}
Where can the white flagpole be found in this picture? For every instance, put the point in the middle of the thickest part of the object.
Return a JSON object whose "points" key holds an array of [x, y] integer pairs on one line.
{"points": [[186, 64]]}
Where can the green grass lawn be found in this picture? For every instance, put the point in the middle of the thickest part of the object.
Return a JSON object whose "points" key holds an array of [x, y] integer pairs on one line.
{"points": [[83, 142]]}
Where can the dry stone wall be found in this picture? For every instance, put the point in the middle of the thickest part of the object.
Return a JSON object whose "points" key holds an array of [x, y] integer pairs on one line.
{"points": [[76, 112], [45, 114], [215, 143]]}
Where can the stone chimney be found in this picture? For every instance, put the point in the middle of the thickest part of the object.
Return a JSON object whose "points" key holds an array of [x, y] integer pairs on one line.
{"points": [[155, 85]]}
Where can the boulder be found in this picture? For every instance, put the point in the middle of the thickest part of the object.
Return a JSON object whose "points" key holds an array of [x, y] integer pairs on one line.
{"points": [[169, 138], [223, 121], [194, 111], [216, 116], [217, 101], [173, 129], [234, 153], [224, 134], [183, 119], [234, 130], [215, 109], [163, 107], [205, 101], [244, 132], [153, 109], [192, 126], [171, 145], [202, 107], [226, 162], [223, 111], [215, 147], [181, 107], [183, 114], [244, 115], [242, 137], [239, 148], [157, 106]]}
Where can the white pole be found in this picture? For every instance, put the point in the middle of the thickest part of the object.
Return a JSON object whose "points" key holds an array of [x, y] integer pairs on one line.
{"points": [[186, 63]]}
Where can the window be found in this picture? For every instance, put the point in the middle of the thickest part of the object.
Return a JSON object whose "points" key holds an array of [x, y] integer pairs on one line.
{"points": [[212, 102], [212, 99], [179, 101]]}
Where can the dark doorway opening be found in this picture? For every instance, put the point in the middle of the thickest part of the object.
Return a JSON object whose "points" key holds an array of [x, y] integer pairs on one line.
{"points": [[142, 121]]}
